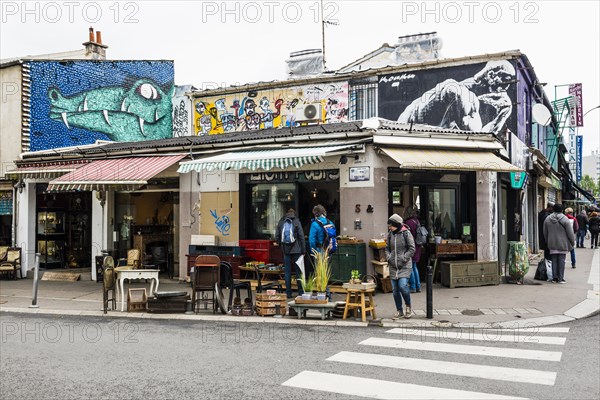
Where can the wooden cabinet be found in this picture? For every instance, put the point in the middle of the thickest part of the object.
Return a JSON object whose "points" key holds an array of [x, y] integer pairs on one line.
{"points": [[346, 258], [469, 273], [266, 251]]}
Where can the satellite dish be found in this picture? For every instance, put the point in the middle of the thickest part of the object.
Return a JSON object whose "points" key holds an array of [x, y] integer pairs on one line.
{"points": [[541, 114]]}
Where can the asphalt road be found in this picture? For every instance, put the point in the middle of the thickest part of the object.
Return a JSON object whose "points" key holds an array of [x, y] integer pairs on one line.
{"points": [[81, 358]]}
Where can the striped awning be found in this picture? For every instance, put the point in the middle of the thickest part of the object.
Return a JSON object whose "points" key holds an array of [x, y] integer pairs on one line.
{"points": [[449, 160], [46, 171], [262, 159], [114, 174]]}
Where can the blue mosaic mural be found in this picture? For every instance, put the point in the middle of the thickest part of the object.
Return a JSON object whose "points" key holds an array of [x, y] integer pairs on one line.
{"points": [[78, 102]]}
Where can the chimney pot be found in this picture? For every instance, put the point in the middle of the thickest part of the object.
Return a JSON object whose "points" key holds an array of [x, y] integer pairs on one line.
{"points": [[98, 37], [91, 34]]}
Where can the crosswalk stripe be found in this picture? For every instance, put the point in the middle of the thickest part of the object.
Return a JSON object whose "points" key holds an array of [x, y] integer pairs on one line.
{"points": [[379, 389], [492, 336], [465, 349], [449, 368]]}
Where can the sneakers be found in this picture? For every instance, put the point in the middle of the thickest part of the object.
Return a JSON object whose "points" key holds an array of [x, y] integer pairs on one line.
{"points": [[408, 313], [573, 266], [397, 315], [563, 281], [418, 290]]}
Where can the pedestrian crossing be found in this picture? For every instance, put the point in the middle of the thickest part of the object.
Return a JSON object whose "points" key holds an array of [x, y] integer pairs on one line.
{"points": [[535, 351]]}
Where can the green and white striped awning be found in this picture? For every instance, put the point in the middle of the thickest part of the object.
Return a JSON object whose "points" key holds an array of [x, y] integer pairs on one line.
{"points": [[261, 159]]}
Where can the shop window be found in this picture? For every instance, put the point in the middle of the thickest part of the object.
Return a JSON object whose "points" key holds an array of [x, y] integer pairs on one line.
{"points": [[268, 203], [443, 212]]}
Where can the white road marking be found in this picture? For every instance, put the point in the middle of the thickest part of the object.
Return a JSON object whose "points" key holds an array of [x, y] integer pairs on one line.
{"points": [[500, 335], [449, 368], [379, 389], [465, 349]]}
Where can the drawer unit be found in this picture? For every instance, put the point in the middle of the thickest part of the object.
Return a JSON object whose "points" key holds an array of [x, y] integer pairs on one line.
{"points": [[469, 273], [266, 251]]}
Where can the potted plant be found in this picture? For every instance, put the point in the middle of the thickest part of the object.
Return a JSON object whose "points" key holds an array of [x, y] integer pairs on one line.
{"points": [[308, 285], [322, 273], [355, 276]]}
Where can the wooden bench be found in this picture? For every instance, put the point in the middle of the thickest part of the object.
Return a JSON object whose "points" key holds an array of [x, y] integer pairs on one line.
{"points": [[325, 309]]}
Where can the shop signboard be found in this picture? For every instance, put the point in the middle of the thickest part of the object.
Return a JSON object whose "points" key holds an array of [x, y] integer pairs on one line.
{"points": [[577, 113], [579, 156]]}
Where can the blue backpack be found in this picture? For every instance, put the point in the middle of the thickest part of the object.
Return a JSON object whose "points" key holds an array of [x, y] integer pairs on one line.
{"points": [[287, 232], [330, 237]]}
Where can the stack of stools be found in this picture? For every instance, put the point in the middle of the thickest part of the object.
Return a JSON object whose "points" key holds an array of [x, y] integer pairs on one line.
{"points": [[380, 265]]}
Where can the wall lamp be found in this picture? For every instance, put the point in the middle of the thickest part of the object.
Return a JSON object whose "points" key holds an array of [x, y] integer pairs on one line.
{"points": [[343, 159], [20, 186]]}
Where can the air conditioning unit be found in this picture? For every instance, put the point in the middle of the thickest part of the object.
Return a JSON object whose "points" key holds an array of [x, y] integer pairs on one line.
{"points": [[308, 112]]}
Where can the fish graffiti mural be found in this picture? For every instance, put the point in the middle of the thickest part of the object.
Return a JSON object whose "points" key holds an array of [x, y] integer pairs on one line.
{"points": [[79, 102]]}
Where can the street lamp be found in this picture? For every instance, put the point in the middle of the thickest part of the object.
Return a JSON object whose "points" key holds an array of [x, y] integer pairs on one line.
{"points": [[588, 111]]}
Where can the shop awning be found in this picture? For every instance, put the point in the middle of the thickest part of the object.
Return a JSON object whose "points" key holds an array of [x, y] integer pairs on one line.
{"points": [[262, 159], [584, 193], [41, 171], [114, 174], [451, 160]]}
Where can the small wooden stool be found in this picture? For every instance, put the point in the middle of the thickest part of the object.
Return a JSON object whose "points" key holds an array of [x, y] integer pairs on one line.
{"points": [[355, 298]]}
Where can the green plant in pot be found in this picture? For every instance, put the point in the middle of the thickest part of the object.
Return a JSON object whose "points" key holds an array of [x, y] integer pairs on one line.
{"points": [[355, 276], [322, 272], [308, 284]]}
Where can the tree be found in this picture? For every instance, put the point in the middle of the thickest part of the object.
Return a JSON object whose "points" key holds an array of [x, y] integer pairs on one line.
{"points": [[588, 184]]}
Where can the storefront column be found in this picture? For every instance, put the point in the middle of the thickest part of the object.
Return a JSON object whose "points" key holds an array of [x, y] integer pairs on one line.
{"points": [[25, 226], [487, 214], [188, 217]]}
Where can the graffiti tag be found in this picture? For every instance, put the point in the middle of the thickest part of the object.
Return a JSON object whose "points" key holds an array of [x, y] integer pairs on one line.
{"points": [[221, 223]]}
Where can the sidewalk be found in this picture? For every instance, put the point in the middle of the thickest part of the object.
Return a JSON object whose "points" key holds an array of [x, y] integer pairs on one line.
{"points": [[535, 303]]}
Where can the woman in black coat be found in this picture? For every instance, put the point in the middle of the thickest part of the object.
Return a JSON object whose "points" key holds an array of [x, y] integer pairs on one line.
{"points": [[594, 226]]}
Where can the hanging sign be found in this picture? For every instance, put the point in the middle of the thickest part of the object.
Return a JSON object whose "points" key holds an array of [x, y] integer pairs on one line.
{"points": [[518, 179]]}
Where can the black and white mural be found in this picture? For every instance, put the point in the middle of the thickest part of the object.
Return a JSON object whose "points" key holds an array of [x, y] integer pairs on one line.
{"points": [[476, 97]]}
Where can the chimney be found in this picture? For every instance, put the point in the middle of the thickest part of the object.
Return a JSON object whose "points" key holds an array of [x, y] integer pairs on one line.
{"points": [[94, 49], [417, 48]]}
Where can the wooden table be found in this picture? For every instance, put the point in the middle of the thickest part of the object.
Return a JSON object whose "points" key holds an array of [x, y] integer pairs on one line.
{"points": [[355, 298], [131, 274], [325, 308]]}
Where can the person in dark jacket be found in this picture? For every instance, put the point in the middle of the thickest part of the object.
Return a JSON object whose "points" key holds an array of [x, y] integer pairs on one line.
{"points": [[560, 239], [541, 218], [291, 251], [582, 221], [575, 225], [594, 224], [400, 248], [412, 221]]}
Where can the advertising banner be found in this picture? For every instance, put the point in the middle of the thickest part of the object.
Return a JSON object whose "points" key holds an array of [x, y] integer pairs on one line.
{"points": [[579, 157], [577, 114]]}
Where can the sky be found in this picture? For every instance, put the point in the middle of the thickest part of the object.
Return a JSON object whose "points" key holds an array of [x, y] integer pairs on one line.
{"points": [[221, 43]]}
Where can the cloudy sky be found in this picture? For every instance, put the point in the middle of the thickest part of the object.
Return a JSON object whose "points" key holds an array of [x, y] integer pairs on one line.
{"points": [[229, 42]]}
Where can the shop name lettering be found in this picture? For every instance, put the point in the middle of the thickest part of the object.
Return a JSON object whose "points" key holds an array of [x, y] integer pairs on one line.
{"points": [[297, 176], [221, 223]]}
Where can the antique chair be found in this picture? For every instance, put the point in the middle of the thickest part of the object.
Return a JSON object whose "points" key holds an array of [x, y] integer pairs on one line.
{"points": [[160, 260], [109, 282], [232, 284], [205, 279], [131, 262], [11, 265], [3, 251]]}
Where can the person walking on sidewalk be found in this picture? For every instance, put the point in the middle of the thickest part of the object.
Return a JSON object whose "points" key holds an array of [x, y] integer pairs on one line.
{"points": [[290, 237], [412, 221], [542, 215], [575, 225], [594, 229], [582, 221], [560, 239], [400, 248]]}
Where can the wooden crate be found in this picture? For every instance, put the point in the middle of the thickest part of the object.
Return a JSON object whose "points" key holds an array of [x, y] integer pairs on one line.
{"points": [[267, 311], [381, 268], [271, 297], [300, 300], [137, 300], [269, 304], [385, 284]]}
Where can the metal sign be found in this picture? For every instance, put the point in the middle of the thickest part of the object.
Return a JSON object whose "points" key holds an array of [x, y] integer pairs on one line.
{"points": [[577, 114], [579, 157]]}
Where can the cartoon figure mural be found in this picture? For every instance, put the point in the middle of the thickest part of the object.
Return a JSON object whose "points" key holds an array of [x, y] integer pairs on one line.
{"points": [[273, 108], [78, 102]]}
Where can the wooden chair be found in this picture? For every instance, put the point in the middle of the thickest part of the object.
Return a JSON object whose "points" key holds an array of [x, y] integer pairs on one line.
{"points": [[3, 252], [205, 279], [11, 266], [109, 282]]}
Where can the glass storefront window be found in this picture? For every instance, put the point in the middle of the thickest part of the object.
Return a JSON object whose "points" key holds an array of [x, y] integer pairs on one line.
{"points": [[268, 203], [443, 213]]}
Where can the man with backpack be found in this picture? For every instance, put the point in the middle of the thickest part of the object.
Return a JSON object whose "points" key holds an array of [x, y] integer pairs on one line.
{"points": [[290, 237], [322, 234]]}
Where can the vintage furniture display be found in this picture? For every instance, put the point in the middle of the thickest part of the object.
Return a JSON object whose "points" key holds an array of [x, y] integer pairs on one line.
{"points": [[108, 283], [263, 285], [131, 262], [130, 274], [360, 299], [137, 299], [266, 251], [169, 302], [469, 273], [205, 280], [51, 238], [349, 256], [268, 304], [11, 264], [326, 309], [229, 282]]}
